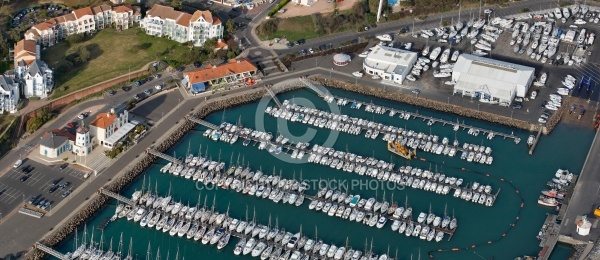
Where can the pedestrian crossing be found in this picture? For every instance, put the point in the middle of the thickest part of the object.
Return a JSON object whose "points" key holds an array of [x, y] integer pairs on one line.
{"points": [[98, 162]]}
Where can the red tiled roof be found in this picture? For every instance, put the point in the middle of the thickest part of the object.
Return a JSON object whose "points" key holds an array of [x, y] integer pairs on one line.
{"points": [[103, 120], [210, 73], [164, 12], [82, 12], [64, 133], [216, 21], [206, 15], [123, 9], [184, 19]]}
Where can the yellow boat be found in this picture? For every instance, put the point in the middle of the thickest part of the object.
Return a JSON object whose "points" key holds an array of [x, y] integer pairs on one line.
{"points": [[401, 150]]}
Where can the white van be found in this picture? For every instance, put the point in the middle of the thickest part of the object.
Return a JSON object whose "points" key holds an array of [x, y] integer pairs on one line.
{"points": [[18, 164]]}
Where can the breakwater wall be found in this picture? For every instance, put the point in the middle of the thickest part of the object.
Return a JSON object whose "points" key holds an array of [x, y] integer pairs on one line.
{"points": [[120, 182], [431, 104]]}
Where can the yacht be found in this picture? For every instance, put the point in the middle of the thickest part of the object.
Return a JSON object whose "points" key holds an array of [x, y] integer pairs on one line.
{"points": [[249, 246], [223, 241], [239, 246], [257, 251], [293, 240]]}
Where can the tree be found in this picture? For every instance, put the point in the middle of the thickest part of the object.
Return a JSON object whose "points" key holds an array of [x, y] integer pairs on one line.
{"points": [[230, 26], [75, 38], [267, 27], [176, 4], [83, 54], [210, 44]]}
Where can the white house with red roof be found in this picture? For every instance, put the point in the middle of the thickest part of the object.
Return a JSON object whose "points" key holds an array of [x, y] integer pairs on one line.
{"points": [[164, 21]]}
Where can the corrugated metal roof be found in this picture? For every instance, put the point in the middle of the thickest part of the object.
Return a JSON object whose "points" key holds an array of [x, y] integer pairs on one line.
{"points": [[498, 77]]}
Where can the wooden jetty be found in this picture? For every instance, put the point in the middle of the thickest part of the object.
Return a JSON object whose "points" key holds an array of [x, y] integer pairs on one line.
{"points": [[382, 128], [464, 126], [307, 151], [550, 234], [116, 196], [535, 142], [407, 220]]}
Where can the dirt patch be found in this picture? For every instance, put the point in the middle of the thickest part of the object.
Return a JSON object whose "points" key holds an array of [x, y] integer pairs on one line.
{"points": [[321, 6]]}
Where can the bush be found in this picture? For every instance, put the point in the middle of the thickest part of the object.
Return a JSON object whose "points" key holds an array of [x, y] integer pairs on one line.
{"points": [[75, 38], [278, 7], [267, 27]]}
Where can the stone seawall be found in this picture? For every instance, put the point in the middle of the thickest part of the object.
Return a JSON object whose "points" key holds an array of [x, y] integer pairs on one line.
{"points": [[428, 103], [124, 180]]}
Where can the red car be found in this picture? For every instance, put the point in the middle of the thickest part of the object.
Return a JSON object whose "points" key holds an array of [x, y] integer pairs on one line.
{"points": [[71, 124]]}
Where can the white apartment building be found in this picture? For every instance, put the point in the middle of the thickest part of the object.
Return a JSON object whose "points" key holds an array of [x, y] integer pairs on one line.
{"points": [[34, 75], [83, 20], [9, 95], [164, 21]]}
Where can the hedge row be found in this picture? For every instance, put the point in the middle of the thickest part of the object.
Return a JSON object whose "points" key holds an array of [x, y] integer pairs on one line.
{"points": [[278, 7]]}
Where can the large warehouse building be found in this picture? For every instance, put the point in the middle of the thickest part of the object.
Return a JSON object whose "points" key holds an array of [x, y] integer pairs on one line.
{"points": [[391, 64], [491, 80]]}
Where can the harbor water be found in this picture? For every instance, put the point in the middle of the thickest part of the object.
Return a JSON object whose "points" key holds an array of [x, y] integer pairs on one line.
{"points": [[503, 231]]}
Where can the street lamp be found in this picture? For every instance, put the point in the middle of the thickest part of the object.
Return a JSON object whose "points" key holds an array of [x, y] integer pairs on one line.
{"points": [[448, 99], [511, 114]]}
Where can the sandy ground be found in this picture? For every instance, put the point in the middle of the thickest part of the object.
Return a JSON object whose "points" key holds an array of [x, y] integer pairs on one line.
{"points": [[321, 6]]}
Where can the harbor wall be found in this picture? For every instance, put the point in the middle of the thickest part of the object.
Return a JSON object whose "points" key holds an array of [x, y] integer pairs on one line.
{"points": [[120, 182], [430, 104]]}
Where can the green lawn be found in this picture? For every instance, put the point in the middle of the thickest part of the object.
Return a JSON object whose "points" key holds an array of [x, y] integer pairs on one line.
{"points": [[112, 54], [295, 28]]}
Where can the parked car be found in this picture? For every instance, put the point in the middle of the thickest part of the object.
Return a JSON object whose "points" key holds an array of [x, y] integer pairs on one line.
{"points": [[148, 91], [112, 92], [18, 164], [64, 185], [357, 74], [82, 116], [71, 124], [126, 88], [534, 94], [290, 44], [63, 166], [137, 97], [27, 169], [24, 178], [158, 87], [33, 199], [301, 41], [311, 51], [41, 203], [53, 189], [56, 181], [517, 105], [487, 11], [66, 193], [415, 91]]}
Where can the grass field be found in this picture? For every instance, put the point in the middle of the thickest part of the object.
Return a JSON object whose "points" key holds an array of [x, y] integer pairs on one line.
{"points": [[295, 28], [113, 53]]}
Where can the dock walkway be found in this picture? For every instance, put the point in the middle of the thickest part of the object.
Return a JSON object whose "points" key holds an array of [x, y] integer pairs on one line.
{"points": [[116, 196], [51, 251], [167, 157], [423, 142], [374, 166], [434, 120], [550, 233]]}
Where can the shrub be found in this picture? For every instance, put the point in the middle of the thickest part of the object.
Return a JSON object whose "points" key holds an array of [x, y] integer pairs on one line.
{"points": [[278, 7], [267, 27]]}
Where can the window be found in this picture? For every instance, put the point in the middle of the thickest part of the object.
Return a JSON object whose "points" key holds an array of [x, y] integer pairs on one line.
{"points": [[45, 152]]}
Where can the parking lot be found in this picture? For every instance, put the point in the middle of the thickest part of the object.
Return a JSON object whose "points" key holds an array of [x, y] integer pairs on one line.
{"points": [[14, 191]]}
